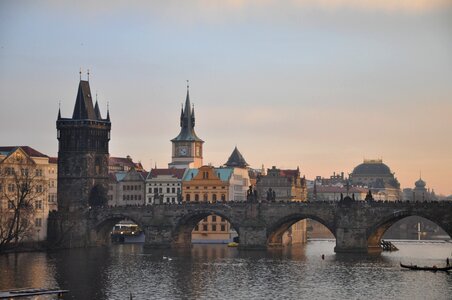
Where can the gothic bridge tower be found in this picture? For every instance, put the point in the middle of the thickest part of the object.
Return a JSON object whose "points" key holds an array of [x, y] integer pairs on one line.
{"points": [[83, 154]]}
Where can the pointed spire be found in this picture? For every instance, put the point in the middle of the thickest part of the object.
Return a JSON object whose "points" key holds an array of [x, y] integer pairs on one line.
{"points": [[193, 116], [97, 110], [108, 111], [236, 160], [59, 110], [84, 109]]}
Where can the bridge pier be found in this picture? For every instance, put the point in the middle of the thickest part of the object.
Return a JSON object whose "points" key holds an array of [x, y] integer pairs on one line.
{"points": [[252, 238], [351, 240], [158, 237]]}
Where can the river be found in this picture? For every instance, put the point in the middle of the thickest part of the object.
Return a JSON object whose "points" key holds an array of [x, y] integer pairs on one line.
{"points": [[216, 271]]}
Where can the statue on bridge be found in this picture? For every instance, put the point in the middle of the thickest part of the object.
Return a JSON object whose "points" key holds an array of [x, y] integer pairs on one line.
{"points": [[251, 194], [271, 195], [369, 197]]}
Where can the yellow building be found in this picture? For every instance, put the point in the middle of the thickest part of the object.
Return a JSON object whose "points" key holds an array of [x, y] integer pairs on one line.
{"points": [[27, 179], [208, 184]]}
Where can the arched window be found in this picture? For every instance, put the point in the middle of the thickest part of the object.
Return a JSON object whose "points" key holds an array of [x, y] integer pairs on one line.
{"points": [[196, 197], [223, 197], [205, 197], [187, 198], [214, 197]]}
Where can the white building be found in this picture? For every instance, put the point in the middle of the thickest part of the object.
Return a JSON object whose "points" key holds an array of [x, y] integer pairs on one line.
{"points": [[164, 186], [127, 188]]}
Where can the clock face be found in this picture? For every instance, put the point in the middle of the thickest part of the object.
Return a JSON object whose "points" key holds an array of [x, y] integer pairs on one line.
{"points": [[183, 151]]}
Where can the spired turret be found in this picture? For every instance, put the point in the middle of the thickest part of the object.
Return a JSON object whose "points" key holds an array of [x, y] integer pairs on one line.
{"points": [[187, 146], [83, 154]]}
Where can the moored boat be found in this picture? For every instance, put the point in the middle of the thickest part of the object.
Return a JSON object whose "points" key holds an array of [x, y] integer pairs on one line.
{"points": [[433, 268]]}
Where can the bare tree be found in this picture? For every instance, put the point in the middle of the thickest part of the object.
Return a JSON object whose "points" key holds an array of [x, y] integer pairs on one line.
{"points": [[22, 191]]}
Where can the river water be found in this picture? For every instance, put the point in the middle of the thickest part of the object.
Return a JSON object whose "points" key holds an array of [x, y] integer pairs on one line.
{"points": [[216, 271]]}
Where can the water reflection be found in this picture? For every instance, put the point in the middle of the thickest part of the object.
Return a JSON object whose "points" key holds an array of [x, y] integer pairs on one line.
{"points": [[215, 271]]}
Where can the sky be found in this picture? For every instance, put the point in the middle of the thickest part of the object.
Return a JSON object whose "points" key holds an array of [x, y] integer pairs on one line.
{"points": [[315, 84]]}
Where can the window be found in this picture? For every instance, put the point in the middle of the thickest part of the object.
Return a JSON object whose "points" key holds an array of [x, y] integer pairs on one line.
{"points": [[204, 227], [214, 227], [38, 189], [156, 190], [123, 187], [205, 197], [11, 187], [214, 197], [38, 222], [214, 218], [205, 219], [150, 190], [196, 228], [173, 190], [167, 190], [223, 228], [223, 197], [24, 172], [38, 204], [38, 172], [160, 190], [196, 197], [187, 198]]}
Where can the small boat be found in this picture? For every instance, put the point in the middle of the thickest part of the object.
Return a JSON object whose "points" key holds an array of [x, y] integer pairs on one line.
{"points": [[233, 244], [434, 268]]}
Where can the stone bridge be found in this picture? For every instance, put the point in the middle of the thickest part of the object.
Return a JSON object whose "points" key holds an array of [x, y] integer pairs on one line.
{"points": [[357, 226]]}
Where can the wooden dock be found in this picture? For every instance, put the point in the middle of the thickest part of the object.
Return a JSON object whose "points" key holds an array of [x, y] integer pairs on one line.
{"points": [[30, 292]]}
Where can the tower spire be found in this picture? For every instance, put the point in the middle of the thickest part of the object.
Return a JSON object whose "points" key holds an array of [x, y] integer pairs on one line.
{"points": [[59, 110], [108, 111]]}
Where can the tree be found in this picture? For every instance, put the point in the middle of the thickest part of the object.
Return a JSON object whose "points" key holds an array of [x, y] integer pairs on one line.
{"points": [[22, 191]]}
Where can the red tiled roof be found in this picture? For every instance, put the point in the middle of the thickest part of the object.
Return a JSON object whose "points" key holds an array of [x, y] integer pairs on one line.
{"points": [[53, 160], [27, 149], [178, 173], [289, 173], [121, 161]]}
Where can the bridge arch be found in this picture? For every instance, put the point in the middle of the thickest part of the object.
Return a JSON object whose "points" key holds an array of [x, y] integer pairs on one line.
{"points": [[182, 232], [376, 231], [100, 233], [276, 230]]}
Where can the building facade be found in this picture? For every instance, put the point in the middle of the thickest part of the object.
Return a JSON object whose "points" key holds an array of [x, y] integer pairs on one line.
{"points": [[123, 164], [187, 147], [419, 193], [376, 176], [27, 179], [127, 188], [285, 185], [164, 186]]}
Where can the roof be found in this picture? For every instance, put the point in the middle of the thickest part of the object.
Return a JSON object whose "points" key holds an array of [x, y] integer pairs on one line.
{"points": [[290, 173], [187, 123], [53, 160], [178, 173], [6, 150], [84, 104], [371, 167], [236, 159], [125, 161], [224, 173]]}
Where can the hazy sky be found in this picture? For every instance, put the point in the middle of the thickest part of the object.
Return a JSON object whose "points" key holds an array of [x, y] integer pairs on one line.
{"points": [[315, 84]]}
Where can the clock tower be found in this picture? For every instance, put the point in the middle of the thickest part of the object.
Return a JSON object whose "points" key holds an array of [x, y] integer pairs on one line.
{"points": [[187, 146]]}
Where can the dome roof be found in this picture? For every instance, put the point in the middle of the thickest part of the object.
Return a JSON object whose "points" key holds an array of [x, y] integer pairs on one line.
{"points": [[420, 183], [374, 167]]}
